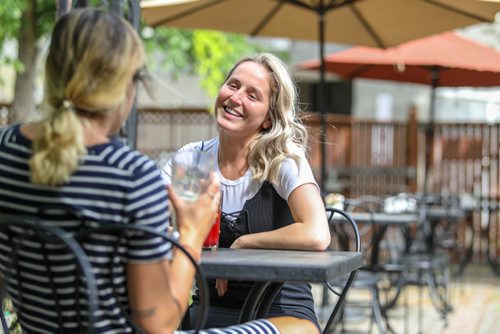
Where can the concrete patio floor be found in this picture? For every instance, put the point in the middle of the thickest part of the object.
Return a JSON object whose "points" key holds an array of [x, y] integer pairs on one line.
{"points": [[475, 298]]}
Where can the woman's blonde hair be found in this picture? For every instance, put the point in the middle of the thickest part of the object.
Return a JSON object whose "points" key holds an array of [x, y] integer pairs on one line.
{"points": [[286, 133], [92, 59]]}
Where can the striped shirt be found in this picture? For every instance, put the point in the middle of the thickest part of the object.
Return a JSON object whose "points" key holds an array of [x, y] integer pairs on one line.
{"points": [[113, 185]]}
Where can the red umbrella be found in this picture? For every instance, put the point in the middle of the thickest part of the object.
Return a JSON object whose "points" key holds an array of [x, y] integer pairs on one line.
{"points": [[445, 60], [457, 60]]}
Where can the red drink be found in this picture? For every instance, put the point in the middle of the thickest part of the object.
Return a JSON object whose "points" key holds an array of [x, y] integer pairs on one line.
{"points": [[212, 240]]}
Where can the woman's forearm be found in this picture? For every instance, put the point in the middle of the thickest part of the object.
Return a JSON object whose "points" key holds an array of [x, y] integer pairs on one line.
{"points": [[295, 236]]}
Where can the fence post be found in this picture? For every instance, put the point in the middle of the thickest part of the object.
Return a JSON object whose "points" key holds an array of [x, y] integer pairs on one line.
{"points": [[412, 150]]}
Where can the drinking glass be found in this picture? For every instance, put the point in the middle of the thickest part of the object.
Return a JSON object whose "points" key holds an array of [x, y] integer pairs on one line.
{"points": [[191, 172]]}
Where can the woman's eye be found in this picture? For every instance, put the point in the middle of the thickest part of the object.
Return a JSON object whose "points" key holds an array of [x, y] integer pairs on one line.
{"points": [[252, 96]]}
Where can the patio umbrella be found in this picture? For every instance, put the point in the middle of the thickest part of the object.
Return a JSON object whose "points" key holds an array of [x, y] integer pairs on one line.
{"points": [[380, 23], [442, 60]]}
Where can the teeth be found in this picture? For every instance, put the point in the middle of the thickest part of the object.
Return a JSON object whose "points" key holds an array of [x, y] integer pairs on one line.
{"points": [[231, 111]]}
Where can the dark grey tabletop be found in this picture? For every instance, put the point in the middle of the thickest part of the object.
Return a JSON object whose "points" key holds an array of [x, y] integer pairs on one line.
{"points": [[444, 212], [279, 265], [381, 218]]}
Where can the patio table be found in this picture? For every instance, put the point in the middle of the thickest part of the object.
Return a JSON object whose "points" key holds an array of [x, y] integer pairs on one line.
{"points": [[383, 221], [271, 268]]}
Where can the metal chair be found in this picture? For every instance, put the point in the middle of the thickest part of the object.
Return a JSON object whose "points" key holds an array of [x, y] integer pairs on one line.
{"points": [[417, 264], [426, 265], [22, 231], [367, 278], [24, 241], [347, 282]]}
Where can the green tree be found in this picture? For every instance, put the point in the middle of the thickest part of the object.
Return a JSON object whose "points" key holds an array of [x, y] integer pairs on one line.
{"points": [[208, 53], [25, 21]]}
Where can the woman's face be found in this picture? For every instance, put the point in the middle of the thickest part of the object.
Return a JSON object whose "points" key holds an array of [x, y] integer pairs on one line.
{"points": [[242, 106]]}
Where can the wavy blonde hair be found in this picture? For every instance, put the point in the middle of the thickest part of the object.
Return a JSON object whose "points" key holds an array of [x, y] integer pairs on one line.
{"points": [[92, 58], [287, 133]]}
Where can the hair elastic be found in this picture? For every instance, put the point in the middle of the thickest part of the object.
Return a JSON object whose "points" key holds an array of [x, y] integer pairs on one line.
{"points": [[67, 104]]}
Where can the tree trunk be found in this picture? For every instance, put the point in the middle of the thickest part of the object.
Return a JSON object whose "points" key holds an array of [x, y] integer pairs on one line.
{"points": [[23, 107]]}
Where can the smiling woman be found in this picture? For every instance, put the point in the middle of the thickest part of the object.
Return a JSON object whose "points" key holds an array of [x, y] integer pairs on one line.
{"points": [[271, 199]]}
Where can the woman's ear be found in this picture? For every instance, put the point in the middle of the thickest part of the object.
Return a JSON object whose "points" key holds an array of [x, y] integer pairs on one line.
{"points": [[267, 124]]}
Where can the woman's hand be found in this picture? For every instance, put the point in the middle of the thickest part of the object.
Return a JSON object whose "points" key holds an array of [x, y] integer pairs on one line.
{"points": [[194, 219]]}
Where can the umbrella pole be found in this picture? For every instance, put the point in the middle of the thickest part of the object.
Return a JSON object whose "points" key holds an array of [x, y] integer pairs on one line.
{"points": [[321, 97], [429, 140]]}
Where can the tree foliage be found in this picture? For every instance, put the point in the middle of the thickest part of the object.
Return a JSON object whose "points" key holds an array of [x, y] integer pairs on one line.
{"points": [[11, 16], [208, 53]]}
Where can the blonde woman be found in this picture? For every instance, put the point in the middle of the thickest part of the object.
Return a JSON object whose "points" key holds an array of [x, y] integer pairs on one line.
{"points": [[68, 164], [271, 199]]}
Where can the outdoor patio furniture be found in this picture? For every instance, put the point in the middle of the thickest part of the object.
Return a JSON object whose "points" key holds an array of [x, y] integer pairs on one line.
{"points": [[365, 278], [21, 238], [423, 265], [25, 242], [270, 268]]}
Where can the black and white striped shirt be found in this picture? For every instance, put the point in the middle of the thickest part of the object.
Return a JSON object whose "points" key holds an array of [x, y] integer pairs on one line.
{"points": [[113, 185]]}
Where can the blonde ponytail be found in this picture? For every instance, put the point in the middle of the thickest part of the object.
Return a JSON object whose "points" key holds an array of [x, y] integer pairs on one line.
{"points": [[58, 147]]}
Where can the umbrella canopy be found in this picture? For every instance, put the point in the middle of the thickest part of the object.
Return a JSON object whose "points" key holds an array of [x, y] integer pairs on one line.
{"points": [[380, 23], [446, 59], [458, 61]]}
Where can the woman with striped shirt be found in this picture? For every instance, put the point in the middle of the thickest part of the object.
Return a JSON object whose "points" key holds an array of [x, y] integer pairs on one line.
{"points": [[67, 164]]}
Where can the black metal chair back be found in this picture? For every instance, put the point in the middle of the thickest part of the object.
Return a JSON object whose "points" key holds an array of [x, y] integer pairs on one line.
{"points": [[31, 252], [330, 212], [330, 324], [364, 279], [22, 236]]}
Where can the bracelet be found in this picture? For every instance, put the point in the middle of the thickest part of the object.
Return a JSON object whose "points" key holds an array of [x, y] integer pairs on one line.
{"points": [[195, 254]]}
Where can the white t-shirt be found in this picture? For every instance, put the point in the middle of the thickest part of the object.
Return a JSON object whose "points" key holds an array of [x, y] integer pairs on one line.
{"points": [[237, 192]]}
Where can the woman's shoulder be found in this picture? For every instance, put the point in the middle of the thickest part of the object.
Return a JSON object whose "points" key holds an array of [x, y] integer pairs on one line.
{"points": [[294, 159], [118, 156], [11, 134]]}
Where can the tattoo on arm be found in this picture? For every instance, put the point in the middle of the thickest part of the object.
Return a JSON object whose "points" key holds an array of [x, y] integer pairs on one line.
{"points": [[143, 313]]}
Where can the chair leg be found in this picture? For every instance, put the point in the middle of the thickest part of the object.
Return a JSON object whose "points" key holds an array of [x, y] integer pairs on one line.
{"points": [[420, 308], [377, 313], [439, 298], [406, 312]]}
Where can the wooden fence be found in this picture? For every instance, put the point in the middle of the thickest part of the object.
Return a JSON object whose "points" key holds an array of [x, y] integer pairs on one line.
{"points": [[379, 158], [368, 157]]}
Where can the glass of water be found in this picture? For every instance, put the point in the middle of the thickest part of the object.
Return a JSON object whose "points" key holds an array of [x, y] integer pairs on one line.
{"points": [[190, 173]]}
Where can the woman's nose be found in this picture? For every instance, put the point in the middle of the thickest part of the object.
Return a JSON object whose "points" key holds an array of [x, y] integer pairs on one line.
{"points": [[236, 97]]}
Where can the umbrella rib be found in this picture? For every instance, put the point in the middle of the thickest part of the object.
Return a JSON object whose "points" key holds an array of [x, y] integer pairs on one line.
{"points": [[298, 3], [195, 9], [334, 4], [457, 10], [367, 26], [266, 19]]}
